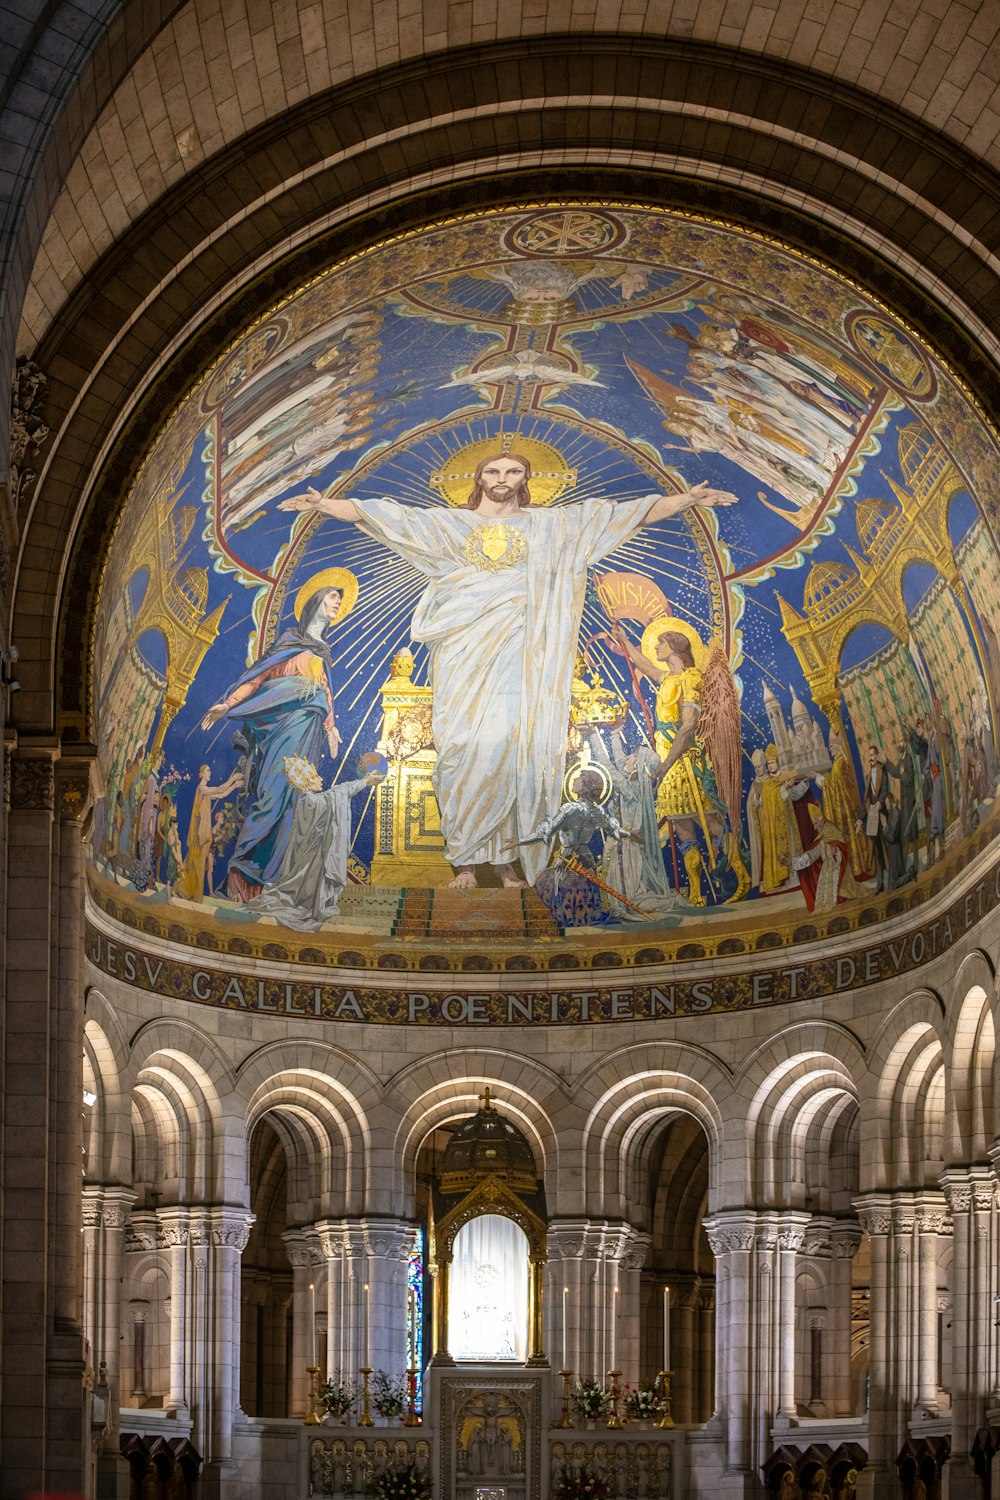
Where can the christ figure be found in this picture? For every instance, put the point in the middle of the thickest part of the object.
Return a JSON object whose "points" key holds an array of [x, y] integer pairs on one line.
{"points": [[500, 617]]}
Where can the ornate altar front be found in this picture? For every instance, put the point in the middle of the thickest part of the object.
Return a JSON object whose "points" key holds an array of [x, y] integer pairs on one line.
{"points": [[489, 1431], [409, 848]]}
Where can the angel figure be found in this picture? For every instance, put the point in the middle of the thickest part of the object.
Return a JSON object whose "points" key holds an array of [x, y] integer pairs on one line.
{"points": [[698, 781], [526, 364]]}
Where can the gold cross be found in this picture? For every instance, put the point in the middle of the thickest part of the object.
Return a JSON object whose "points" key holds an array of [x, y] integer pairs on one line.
{"points": [[485, 1100]]}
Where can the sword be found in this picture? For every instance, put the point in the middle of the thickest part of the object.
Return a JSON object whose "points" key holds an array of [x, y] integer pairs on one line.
{"points": [[572, 863]]}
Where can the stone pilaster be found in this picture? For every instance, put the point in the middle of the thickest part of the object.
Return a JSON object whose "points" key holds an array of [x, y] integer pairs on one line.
{"points": [[971, 1194], [564, 1282], [205, 1245], [365, 1291], [755, 1289], [304, 1257], [45, 1443], [878, 1476], [840, 1396]]}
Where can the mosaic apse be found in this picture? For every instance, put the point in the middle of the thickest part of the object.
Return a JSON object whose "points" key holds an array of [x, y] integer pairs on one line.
{"points": [[550, 581]]}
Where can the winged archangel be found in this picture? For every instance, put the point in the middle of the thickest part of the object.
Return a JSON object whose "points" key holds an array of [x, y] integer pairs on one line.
{"points": [[697, 737]]}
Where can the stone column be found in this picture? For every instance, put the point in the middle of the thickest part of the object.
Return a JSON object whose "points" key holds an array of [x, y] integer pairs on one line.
{"points": [[732, 1235], [755, 1284], [878, 1477], [389, 1243], [684, 1361], [330, 1238], [564, 1311], [971, 1196], [172, 1234], [228, 1235], [45, 1442], [813, 1319], [103, 1317], [708, 1401], [633, 1248], [930, 1219], [845, 1240], [303, 1254]]}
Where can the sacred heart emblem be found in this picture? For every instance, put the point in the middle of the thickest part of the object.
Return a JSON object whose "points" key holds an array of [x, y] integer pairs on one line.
{"points": [[494, 542], [493, 547]]}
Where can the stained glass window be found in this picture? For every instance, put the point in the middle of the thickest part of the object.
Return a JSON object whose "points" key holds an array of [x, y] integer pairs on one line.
{"points": [[415, 1314]]}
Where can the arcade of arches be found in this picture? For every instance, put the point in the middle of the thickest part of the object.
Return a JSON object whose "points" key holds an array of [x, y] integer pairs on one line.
{"points": [[500, 555]]}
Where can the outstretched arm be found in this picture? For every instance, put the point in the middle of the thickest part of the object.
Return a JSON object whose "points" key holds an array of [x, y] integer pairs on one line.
{"points": [[325, 505], [622, 646], [673, 505]]}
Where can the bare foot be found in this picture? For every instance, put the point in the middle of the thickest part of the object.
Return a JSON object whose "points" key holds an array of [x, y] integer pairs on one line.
{"points": [[508, 879], [465, 880]]}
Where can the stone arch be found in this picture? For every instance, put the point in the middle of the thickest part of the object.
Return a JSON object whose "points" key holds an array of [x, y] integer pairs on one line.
{"points": [[628, 1091], [655, 114], [970, 1053], [106, 1128], [306, 1092], [800, 1089], [448, 1085], [181, 1090], [903, 1103]]}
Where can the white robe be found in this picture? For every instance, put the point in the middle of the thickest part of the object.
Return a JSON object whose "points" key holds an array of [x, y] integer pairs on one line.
{"points": [[501, 647], [314, 870]]}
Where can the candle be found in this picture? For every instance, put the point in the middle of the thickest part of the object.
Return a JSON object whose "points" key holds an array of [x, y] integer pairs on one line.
{"points": [[565, 1366], [666, 1328], [313, 1340], [368, 1325], [614, 1326]]}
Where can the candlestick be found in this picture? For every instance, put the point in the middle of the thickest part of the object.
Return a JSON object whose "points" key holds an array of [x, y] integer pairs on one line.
{"points": [[412, 1420], [666, 1328], [566, 1420], [368, 1325], [614, 1325], [312, 1417], [313, 1338], [614, 1420], [666, 1420], [365, 1419], [565, 1361]]}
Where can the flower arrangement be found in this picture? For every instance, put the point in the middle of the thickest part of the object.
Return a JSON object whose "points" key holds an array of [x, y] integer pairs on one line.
{"points": [[338, 1395], [590, 1400], [642, 1404], [581, 1483], [403, 1482], [388, 1395]]}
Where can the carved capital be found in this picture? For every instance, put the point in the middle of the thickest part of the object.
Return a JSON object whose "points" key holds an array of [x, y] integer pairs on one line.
{"points": [[875, 1221], [171, 1231], [72, 798], [32, 784], [92, 1213], [817, 1320], [933, 1220], [230, 1231], [726, 1237]]}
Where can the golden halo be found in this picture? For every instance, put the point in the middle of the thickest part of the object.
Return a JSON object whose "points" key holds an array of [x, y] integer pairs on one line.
{"points": [[331, 578], [549, 474], [585, 764], [655, 628]]}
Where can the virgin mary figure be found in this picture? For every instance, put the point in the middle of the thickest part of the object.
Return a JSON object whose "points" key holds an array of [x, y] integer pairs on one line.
{"points": [[284, 702]]}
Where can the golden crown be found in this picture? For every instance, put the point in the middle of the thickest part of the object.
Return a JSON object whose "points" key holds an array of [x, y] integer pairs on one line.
{"points": [[598, 705]]}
